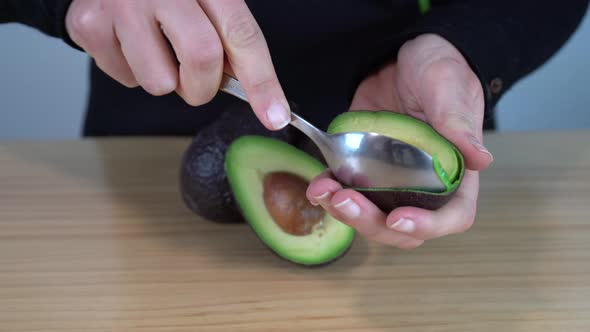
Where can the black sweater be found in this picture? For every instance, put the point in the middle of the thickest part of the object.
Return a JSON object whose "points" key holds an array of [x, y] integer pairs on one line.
{"points": [[322, 49]]}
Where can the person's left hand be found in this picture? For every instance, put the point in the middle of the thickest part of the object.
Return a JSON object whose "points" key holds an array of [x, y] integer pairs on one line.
{"points": [[430, 81]]}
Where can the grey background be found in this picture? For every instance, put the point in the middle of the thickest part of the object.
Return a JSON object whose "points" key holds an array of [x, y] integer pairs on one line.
{"points": [[43, 88]]}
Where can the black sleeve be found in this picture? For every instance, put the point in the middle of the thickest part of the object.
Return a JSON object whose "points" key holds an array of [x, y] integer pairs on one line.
{"points": [[503, 40], [47, 16]]}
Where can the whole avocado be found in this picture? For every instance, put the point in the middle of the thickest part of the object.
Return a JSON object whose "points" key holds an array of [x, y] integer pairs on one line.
{"points": [[203, 182]]}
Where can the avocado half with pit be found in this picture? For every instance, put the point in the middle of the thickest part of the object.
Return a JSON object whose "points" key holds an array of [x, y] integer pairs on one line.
{"points": [[269, 179], [448, 162], [203, 181]]}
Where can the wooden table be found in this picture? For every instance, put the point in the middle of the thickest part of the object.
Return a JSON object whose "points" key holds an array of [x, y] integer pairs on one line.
{"points": [[94, 237]]}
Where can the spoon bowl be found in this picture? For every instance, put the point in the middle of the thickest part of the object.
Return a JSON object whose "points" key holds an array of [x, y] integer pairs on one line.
{"points": [[370, 160], [364, 159]]}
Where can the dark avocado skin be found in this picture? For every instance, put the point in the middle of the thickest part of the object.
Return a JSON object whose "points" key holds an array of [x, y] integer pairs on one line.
{"points": [[389, 200], [203, 182]]}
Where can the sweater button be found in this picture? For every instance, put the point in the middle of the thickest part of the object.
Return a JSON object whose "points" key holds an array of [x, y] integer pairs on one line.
{"points": [[496, 85]]}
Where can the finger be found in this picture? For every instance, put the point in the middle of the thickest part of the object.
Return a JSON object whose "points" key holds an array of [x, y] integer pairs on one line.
{"points": [[370, 223], [145, 48], [353, 209], [92, 30], [321, 188], [457, 216], [197, 48], [249, 57], [454, 105]]}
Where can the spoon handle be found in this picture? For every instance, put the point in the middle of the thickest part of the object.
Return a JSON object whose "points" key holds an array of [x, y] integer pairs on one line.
{"points": [[232, 86], [320, 138]]}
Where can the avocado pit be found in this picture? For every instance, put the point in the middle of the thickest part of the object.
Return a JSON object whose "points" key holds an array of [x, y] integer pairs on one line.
{"points": [[285, 200]]}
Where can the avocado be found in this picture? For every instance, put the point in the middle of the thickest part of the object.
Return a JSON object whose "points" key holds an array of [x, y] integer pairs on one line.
{"points": [[203, 182], [268, 178], [448, 161]]}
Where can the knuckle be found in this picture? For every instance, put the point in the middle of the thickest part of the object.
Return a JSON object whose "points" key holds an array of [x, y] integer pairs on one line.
{"points": [[454, 118], [262, 84], [129, 15], [406, 52], [415, 53], [207, 57], [83, 26], [125, 10], [474, 95], [211, 54], [242, 31], [443, 69]]}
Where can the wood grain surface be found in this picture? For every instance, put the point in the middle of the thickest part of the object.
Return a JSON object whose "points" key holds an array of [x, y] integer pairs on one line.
{"points": [[94, 237]]}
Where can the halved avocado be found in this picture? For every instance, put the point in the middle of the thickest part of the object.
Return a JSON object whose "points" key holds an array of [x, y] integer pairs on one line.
{"points": [[268, 179], [448, 161], [203, 182]]}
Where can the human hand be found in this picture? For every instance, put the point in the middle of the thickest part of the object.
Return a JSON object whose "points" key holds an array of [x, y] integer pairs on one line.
{"points": [[430, 81], [166, 46]]}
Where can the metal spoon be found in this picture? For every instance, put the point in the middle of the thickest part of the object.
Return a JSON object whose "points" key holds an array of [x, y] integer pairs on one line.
{"points": [[365, 160]]}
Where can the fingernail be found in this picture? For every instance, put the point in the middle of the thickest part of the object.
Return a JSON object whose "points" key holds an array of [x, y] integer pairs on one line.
{"points": [[316, 199], [322, 196], [278, 116], [477, 144], [404, 226], [348, 208]]}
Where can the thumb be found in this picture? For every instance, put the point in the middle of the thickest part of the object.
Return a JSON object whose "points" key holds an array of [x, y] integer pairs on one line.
{"points": [[455, 108]]}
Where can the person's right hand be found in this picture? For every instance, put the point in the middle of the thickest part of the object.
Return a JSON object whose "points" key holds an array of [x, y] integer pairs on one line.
{"points": [[129, 40]]}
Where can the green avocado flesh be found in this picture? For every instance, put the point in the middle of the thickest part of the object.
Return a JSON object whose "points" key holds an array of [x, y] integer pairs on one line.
{"points": [[268, 178], [447, 161]]}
